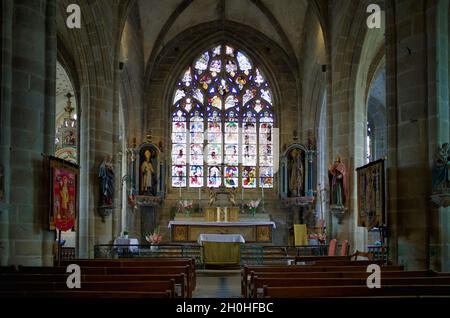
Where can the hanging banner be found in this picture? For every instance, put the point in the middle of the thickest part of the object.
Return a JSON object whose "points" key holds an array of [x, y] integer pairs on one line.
{"points": [[371, 198], [63, 194]]}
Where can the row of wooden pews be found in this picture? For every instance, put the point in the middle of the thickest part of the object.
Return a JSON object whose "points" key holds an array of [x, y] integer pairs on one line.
{"points": [[103, 278], [323, 277]]}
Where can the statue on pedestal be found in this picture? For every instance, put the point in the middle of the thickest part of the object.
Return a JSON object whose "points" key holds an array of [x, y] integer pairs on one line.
{"points": [[337, 175], [148, 171], [106, 176], [440, 175], [296, 173]]}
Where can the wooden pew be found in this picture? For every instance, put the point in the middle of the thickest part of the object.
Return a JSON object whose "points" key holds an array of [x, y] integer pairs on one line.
{"points": [[299, 259], [163, 270], [259, 283], [84, 294], [356, 291], [149, 286], [246, 271], [136, 262], [179, 279], [341, 263]]}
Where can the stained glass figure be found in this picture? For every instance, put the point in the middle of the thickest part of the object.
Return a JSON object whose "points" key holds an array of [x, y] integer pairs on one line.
{"points": [[229, 51], [217, 50], [178, 176], [249, 94], [259, 79], [187, 78], [215, 67], [215, 101], [244, 63], [231, 101], [249, 177], [198, 95], [231, 67], [202, 63], [266, 95], [214, 177], [231, 177], [179, 94], [266, 177], [196, 176]]}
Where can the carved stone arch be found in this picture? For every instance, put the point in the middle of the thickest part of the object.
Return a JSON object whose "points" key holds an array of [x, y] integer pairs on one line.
{"points": [[179, 52]]}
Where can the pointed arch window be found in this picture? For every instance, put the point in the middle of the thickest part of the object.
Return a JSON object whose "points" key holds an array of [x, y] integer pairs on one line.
{"points": [[222, 123]]}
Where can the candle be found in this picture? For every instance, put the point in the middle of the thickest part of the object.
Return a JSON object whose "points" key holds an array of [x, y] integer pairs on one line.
{"points": [[218, 214], [226, 214]]}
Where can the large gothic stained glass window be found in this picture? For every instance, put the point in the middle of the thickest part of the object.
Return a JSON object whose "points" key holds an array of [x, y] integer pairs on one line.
{"points": [[222, 123]]}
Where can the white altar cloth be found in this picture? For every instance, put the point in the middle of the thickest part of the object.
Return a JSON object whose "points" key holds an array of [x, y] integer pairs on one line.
{"points": [[238, 223], [126, 241], [222, 238]]}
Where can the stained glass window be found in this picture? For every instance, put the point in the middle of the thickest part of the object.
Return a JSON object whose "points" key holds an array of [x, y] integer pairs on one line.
{"points": [[222, 123]]}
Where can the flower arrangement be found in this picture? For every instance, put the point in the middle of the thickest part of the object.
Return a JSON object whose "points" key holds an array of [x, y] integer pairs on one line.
{"points": [[252, 206], [185, 206], [320, 237], [155, 237]]}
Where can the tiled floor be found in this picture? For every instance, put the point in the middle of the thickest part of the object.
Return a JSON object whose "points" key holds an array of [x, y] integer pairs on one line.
{"points": [[218, 284]]}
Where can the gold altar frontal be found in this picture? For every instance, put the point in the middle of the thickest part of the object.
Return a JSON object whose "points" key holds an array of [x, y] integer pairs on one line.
{"points": [[186, 229], [221, 253]]}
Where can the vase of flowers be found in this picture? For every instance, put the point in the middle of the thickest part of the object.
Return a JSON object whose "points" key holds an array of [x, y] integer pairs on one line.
{"points": [[252, 206], [154, 239], [321, 238], [185, 206]]}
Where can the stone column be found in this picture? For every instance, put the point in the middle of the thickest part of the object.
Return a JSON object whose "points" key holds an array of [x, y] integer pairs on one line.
{"points": [[410, 102], [5, 119], [32, 112], [439, 120]]}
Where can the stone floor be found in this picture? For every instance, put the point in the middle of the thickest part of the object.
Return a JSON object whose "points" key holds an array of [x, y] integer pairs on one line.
{"points": [[218, 284]]}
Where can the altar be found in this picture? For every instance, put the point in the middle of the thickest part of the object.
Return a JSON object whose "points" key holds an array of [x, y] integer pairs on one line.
{"points": [[221, 249], [253, 231]]}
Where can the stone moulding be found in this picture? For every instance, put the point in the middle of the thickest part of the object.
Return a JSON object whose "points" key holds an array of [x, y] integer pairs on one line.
{"points": [[338, 211], [148, 200], [441, 198], [105, 211], [298, 201]]}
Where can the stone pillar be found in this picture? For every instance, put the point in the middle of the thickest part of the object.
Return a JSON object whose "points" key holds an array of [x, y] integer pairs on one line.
{"points": [[5, 132], [31, 120], [440, 241], [411, 105]]}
